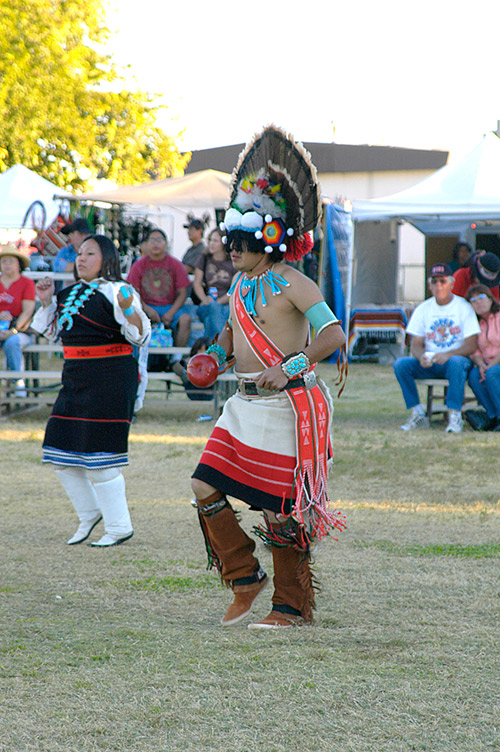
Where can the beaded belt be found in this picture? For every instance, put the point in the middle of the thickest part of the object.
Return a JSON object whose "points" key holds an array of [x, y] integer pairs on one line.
{"points": [[250, 389], [96, 351]]}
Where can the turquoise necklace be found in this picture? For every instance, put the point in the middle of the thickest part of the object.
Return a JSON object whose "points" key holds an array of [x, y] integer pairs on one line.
{"points": [[250, 287], [72, 304]]}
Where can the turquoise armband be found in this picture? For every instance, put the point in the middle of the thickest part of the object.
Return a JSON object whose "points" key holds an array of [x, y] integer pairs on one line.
{"points": [[129, 311], [219, 351], [320, 316]]}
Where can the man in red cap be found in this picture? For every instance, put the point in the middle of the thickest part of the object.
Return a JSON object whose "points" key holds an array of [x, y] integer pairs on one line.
{"points": [[77, 231], [443, 331], [483, 268]]}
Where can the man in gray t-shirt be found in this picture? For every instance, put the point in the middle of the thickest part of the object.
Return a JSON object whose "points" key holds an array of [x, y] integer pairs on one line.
{"points": [[195, 228]]}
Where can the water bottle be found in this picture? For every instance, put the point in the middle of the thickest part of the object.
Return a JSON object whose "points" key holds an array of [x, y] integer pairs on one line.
{"points": [[212, 292]]}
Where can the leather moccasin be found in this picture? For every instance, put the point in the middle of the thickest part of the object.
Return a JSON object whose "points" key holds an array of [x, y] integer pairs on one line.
{"points": [[277, 620], [84, 530], [244, 597], [109, 539]]}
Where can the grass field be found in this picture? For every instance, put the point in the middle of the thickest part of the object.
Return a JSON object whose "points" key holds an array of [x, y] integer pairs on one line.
{"points": [[120, 649]]}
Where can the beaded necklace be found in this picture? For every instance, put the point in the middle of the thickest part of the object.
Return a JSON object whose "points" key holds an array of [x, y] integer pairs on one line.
{"points": [[72, 303], [249, 288]]}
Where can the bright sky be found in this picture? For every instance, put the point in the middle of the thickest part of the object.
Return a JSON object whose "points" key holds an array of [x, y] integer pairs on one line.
{"points": [[421, 75]]}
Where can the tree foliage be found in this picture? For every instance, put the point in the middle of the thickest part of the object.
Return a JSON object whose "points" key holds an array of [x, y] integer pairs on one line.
{"points": [[61, 111]]}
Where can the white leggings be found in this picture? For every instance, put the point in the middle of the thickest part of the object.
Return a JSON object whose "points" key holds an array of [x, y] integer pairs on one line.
{"points": [[98, 491]]}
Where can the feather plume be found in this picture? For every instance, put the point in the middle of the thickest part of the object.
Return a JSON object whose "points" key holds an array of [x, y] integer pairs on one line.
{"points": [[275, 155]]}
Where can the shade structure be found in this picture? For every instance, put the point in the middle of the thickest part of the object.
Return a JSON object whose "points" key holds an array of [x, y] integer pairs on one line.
{"points": [[19, 188], [207, 188], [468, 189]]}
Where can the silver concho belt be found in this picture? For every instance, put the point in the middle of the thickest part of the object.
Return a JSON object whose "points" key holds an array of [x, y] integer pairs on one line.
{"points": [[250, 389]]}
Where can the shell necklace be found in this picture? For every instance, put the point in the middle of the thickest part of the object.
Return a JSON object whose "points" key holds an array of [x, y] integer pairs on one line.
{"points": [[72, 303], [249, 288]]}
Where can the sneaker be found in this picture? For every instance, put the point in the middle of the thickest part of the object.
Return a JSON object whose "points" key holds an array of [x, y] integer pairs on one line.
{"points": [[455, 422], [416, 420]]}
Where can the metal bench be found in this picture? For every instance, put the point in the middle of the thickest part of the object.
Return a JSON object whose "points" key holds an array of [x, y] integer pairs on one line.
{"points": [[42, 385]]}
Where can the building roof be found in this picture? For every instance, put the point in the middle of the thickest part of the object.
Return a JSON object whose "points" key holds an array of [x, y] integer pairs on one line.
{"points": [[332, 158]]}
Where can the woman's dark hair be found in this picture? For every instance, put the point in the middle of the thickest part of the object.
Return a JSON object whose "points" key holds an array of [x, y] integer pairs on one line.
{"points": [[477, 289], [458, 246], [253, 244], [198, 344], [110, 268], [151, 231]]}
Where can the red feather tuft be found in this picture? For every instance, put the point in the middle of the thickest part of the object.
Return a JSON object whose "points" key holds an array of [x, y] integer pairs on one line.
{"points": [[298, 247]]}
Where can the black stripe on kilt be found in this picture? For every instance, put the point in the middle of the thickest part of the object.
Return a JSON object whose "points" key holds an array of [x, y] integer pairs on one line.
{"points": [[253, 497]]}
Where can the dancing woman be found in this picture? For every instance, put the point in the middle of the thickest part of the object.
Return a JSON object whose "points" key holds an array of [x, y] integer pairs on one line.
{"points": [[98, 319]]}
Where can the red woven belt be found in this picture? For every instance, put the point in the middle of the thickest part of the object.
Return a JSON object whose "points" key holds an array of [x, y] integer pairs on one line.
{"points": [[96, 351]]}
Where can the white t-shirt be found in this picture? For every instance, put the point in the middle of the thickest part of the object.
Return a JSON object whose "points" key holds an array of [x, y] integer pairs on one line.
{"points": [[443, 327]]}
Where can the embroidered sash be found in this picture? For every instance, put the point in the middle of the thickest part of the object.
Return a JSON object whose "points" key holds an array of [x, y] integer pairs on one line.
{"points": [[312, 440]]}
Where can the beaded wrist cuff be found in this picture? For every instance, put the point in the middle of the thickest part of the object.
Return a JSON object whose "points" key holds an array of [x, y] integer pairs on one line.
{"points": [[219, 351], [295, 365]]}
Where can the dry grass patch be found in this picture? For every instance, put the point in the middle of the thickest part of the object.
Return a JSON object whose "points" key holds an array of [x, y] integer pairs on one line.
{"points": [[120, 649]]}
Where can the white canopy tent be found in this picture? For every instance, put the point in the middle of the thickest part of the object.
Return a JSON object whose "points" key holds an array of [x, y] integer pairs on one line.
{"points": [[167, 203], [466, 190], [446, 203], [19, 188], [207, 188]]}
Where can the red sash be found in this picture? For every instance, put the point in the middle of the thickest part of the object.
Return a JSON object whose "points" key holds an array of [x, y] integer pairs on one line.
{"points": [[312, 436]]}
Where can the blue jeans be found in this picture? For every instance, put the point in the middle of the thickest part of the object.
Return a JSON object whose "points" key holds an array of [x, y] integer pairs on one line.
{"points": [[162, 309], [488, 391], [13, 349], [214, 316], [455, 370]]}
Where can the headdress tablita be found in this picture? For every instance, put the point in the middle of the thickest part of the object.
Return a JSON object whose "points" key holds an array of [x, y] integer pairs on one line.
{"points": [[275, 194]]}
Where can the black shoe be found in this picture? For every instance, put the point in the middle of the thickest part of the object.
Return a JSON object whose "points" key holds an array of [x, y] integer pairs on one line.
{"points": [[478, 420]]}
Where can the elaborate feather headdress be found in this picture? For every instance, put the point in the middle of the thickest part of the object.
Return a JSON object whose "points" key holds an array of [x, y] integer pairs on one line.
{"points": [[274, 194]]}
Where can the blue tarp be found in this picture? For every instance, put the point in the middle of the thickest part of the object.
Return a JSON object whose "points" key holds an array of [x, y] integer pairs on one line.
{"points": [[335, 266]]}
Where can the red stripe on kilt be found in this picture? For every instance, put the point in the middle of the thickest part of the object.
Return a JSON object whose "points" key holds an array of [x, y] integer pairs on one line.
{"points": [[91, 420], [268, 472]]}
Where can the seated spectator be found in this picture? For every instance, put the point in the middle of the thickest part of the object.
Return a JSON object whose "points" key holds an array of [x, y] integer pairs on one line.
{"points": [[195, 229], [162, 282], [482, 269], [461, 255], [180, 368], [212, 279], [484, 377], [77, 231], [443, 333], [17, 306]]}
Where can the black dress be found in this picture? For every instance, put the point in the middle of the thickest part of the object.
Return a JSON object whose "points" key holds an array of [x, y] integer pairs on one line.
{"points": [[91, 418]]}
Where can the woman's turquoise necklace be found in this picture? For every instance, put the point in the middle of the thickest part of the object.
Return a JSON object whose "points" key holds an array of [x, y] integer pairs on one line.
{"points": [[72, 303], [249, 288]]}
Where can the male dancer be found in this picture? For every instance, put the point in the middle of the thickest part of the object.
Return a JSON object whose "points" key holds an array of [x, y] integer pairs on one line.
{"points": [[271, 446]]}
